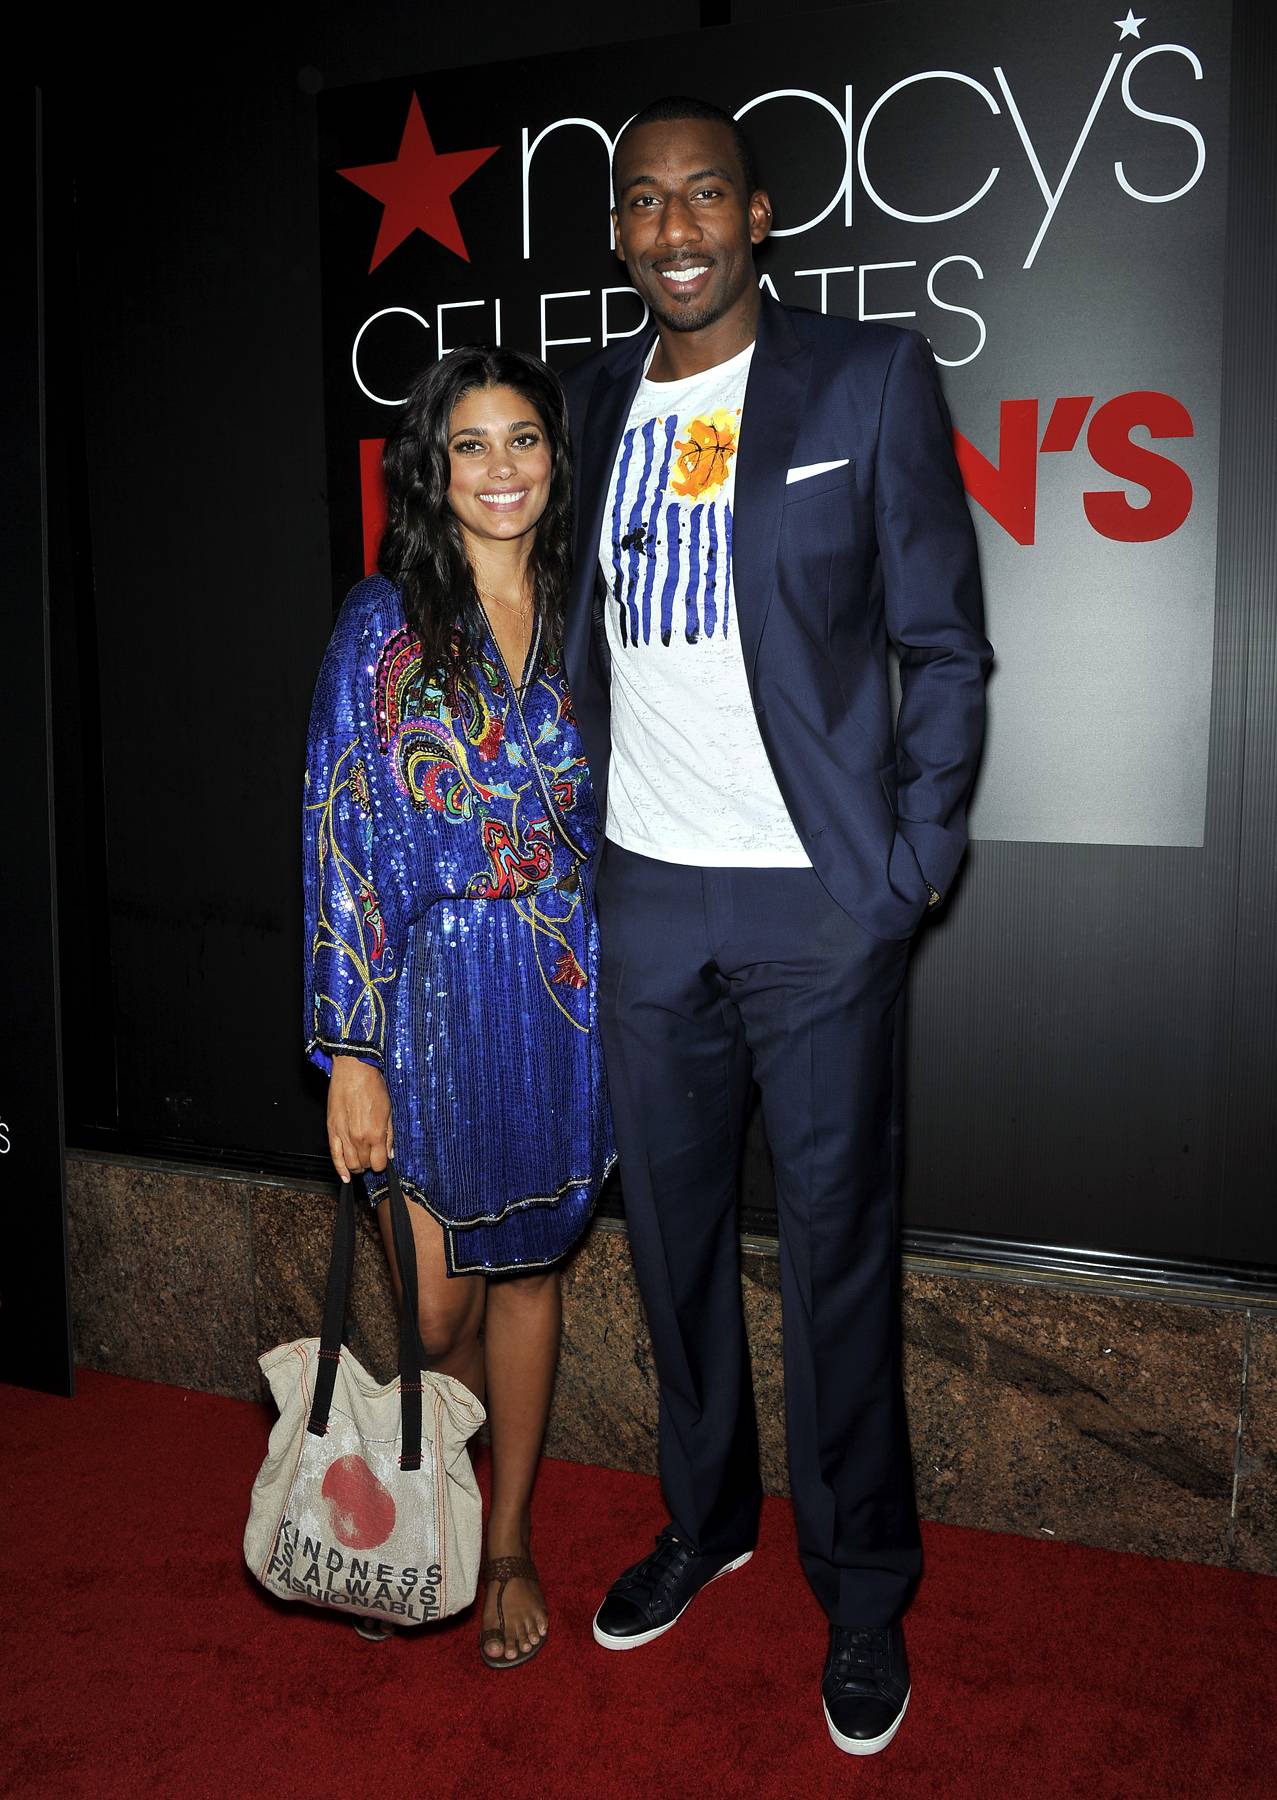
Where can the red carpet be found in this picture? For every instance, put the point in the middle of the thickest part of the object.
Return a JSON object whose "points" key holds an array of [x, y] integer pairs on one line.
{"points": [[140, 1658]]}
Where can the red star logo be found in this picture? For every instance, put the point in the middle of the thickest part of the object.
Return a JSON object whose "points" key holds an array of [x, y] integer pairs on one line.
{"points": [[416, 189]]}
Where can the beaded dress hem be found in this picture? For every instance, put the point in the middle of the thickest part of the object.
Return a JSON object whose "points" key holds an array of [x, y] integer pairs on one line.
{"points": [[491, 1248], [453, 1222]]}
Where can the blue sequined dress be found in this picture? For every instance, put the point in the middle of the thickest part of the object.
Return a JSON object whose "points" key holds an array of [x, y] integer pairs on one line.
{"points": [[450, 930]]}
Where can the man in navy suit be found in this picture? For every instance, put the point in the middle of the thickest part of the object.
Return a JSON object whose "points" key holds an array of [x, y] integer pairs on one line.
{"points": [[765, 500]]}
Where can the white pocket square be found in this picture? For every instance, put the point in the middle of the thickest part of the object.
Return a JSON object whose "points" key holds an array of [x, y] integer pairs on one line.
{"points": [[809, 469]]}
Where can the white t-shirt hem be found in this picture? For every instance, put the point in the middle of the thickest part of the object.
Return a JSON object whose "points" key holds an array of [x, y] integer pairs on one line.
{"points": [[712, 856]]}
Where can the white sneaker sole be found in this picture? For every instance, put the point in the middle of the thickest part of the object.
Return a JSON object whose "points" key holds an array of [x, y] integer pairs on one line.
{"points": [[866, 1746], [646, 1637]]}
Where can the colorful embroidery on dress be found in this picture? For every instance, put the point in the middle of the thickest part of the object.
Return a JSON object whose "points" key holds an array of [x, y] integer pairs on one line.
{"points": [[459, 747], [349, 935]]}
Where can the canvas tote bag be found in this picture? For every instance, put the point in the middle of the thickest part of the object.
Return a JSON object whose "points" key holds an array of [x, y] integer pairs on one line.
{"points": [[366, 1502]]}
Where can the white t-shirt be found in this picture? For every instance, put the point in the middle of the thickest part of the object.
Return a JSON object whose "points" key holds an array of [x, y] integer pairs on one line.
{"points": [[689, 780]]}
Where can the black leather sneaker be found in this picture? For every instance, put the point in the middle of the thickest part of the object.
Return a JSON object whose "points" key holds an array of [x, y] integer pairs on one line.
{"points": [[643, 1603], [865, 1687]]}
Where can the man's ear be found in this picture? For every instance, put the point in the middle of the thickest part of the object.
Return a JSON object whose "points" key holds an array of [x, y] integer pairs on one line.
{"points": [[760, 216], [616, 238]]}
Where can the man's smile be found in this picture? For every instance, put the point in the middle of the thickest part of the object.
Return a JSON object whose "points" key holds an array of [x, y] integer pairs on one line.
{"points": [[683, 278]]}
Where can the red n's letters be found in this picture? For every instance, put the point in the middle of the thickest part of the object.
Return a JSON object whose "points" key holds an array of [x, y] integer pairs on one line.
{"points": [[1170, 492], [372, 494], [1007, 489]]}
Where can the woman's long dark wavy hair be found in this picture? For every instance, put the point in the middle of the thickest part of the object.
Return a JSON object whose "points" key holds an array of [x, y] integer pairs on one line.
{"points": [[422, 548]]}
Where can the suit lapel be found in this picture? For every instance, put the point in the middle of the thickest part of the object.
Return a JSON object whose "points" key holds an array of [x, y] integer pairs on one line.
{"points": [[609, 407], [774, 395]]}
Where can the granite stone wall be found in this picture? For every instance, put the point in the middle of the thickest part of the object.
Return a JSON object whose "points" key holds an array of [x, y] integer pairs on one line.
{"points": [[1126, 1420]]}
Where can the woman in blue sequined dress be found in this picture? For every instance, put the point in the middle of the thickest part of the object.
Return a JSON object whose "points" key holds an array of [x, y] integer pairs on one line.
{"points": [[451, 947]]}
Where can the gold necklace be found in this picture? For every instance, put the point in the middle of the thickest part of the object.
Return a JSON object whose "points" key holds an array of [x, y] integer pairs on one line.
{"points": [[520, 608]]}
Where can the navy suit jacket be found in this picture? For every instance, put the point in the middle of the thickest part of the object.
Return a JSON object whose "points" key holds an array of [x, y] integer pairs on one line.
{"points": [[825, 570]]}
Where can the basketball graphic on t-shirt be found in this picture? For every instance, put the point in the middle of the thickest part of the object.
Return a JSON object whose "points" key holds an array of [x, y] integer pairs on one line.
{"points": [[703, 458]]}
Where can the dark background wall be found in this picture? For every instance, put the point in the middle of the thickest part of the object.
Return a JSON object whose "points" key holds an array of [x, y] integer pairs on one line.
{"points": [[1092, 1039], [35, 1338]]}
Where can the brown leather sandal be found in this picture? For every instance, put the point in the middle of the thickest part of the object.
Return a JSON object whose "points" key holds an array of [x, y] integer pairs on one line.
{"points": [[503, 1569]]}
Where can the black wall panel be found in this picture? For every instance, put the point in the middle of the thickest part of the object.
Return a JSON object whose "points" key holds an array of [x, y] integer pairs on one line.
{"points": [[35, 1331], [1248, 589]]}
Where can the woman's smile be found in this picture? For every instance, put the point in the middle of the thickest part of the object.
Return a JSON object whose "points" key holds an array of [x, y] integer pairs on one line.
{"points": [[505, 499]]}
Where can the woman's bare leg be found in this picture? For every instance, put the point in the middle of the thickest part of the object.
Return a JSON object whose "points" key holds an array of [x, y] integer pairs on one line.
{"points": [[511, 1368], [521, 1347], [449, 1309]]}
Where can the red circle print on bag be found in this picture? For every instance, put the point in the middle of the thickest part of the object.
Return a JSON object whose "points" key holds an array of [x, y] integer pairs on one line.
{"points": [[361, 1512]]}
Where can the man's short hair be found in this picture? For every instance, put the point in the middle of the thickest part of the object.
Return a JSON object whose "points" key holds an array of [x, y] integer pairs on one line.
{"points": [[681, 106]]}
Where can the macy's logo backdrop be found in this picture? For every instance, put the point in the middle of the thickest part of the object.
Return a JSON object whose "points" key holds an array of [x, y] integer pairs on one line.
{"points": [[1042, 196]]}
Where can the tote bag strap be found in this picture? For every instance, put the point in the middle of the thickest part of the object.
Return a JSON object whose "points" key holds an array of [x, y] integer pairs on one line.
{"points": [[341, 1267]]}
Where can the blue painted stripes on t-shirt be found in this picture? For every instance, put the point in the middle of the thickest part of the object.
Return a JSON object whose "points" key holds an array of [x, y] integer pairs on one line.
{"points": [[695, 540]]}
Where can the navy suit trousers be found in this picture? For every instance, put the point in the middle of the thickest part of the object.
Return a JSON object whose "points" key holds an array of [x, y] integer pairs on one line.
{"points": [[708, 978]]}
